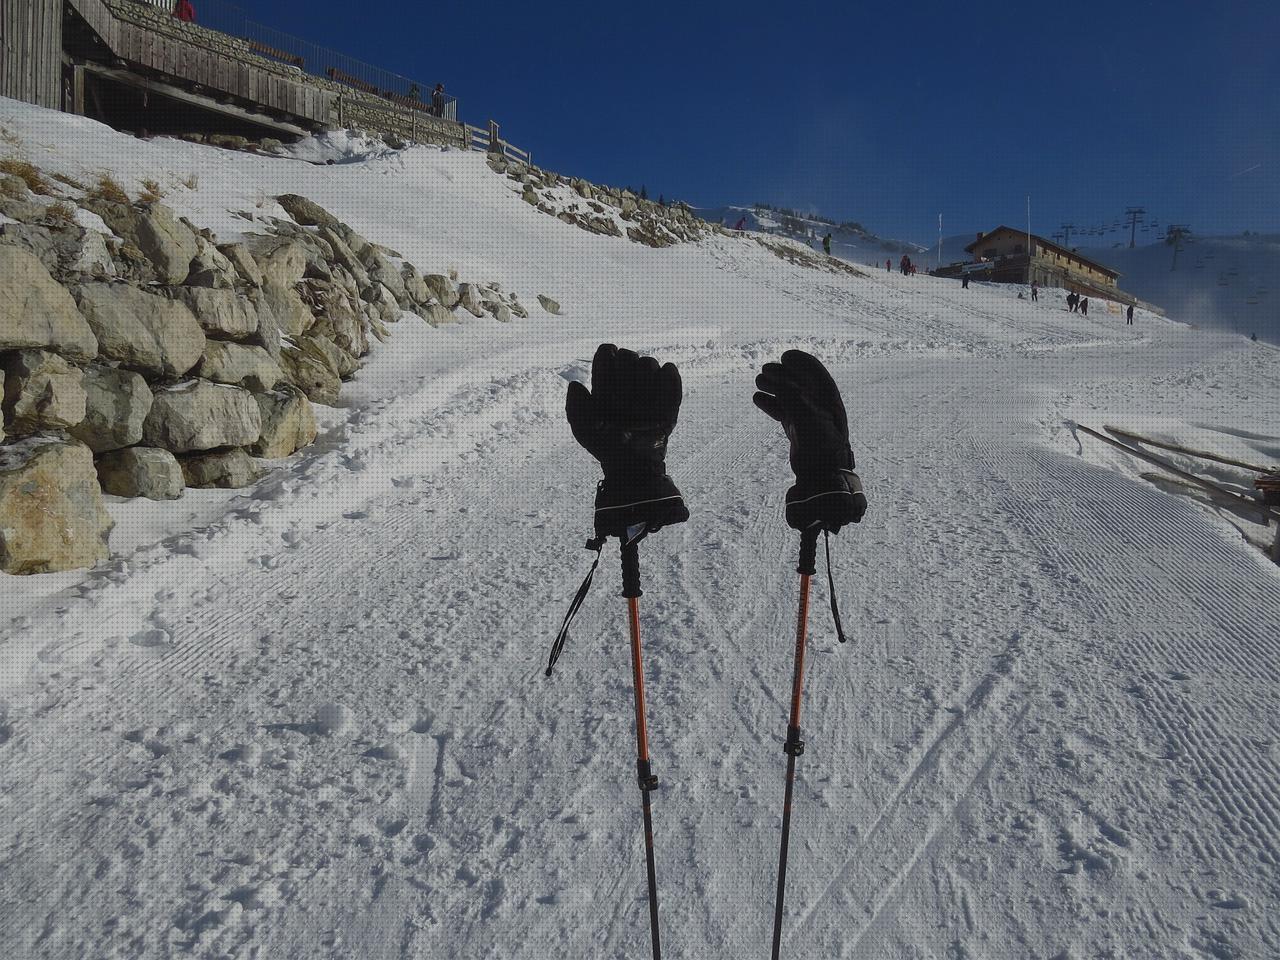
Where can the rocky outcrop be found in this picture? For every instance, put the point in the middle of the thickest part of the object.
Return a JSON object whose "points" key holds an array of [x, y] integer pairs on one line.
{"points": [[42, 391], [36, 312], [51, 512], [173, 358], [144, 331], [549, 305], [608, 211], [306, 212], [199, 415], [141, 472]]}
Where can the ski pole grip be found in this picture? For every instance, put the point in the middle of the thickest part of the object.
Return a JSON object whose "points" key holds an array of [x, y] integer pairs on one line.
{"points": [[631, 569], [808, 551]]}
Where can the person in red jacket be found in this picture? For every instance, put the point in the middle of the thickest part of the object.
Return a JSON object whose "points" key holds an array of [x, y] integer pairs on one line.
{"points": [[184, 11]]}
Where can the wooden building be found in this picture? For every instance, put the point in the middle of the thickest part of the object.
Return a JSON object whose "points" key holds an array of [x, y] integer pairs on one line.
{"points": [[31, 51], [134, 65]]}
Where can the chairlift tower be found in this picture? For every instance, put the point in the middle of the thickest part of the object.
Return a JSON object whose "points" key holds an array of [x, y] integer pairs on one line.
{"points": [[1135, 216], [1066, 229]]}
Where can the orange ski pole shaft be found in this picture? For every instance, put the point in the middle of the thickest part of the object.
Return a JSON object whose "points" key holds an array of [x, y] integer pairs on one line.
{"points": [[794, 746], [647, 781]]}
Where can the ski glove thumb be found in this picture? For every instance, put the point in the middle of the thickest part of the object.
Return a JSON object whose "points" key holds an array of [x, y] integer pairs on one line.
{"points": [[624, 421], [801, 395]]}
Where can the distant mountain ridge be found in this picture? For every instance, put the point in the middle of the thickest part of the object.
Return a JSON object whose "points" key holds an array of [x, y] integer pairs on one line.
{"points": [[850, 240]]}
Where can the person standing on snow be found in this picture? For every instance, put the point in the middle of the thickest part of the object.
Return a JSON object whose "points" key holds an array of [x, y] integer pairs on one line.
{"points": [[741, 224], [1035, 292], [1072, 300], [437, 100], [888, 266], [1129, 316], [964, 282], [1084, 306], [826, 244]]}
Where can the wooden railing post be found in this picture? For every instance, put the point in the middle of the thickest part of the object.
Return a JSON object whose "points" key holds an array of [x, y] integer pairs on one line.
{"points": [[495, 144]]}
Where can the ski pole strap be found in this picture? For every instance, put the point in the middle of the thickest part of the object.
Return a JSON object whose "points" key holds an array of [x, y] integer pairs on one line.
{"points": [[831, 590], [575, 605]]}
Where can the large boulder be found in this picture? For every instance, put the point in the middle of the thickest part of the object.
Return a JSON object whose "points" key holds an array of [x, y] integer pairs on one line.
{"points": [[469, 299], [383, 271], [144, 331], [306, 212], [88, 254], [414, 286], [291, 313], [199, 415], [281, 259], [288, 423], [345, 256], [337, 316], [238, 256], [42, 391], [210, 268], [36, 312], [166, 241], [269, 336], [240, 364], [384, 300], [444, 289], [51, 512], [226, 468], [310, 375], [222, 312], [116, 405], [141, 472], [549, 305], [498, 310], [337, 360], [435, 314]]}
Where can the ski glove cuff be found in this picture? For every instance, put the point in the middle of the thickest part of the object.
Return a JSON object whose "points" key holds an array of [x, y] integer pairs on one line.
{"points": [[830, 502]]}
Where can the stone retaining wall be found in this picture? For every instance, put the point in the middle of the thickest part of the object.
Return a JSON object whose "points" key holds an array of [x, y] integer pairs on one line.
{"points": [[154, 358]]}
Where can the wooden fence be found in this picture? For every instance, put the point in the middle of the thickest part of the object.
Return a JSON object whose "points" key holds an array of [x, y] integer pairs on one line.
{"points": [[488, 140]]}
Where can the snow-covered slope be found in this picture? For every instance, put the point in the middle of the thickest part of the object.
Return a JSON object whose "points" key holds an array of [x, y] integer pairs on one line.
{"points": [[316, 725], [1223, 283]]}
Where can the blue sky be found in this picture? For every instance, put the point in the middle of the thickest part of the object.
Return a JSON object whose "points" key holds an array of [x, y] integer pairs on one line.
{"points": [[885, 113]]}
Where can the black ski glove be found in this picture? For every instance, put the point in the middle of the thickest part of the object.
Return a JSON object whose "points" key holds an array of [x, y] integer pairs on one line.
{"points": [[624, 422], [800, 394]]}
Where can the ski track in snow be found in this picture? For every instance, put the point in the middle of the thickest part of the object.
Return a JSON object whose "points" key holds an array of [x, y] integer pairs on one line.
{"points": [[1052, 733]]}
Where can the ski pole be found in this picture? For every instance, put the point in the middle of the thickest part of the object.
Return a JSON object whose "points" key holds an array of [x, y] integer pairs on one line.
{"points": [[648, 782], [794, 745]]}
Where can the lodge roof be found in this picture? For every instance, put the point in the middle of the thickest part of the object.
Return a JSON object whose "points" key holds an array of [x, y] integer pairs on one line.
{"points": [[1047, 244]]}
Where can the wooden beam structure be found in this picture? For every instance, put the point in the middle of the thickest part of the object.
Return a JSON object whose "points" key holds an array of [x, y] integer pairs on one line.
{"points": [[173, 92], [1200, 454]]}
